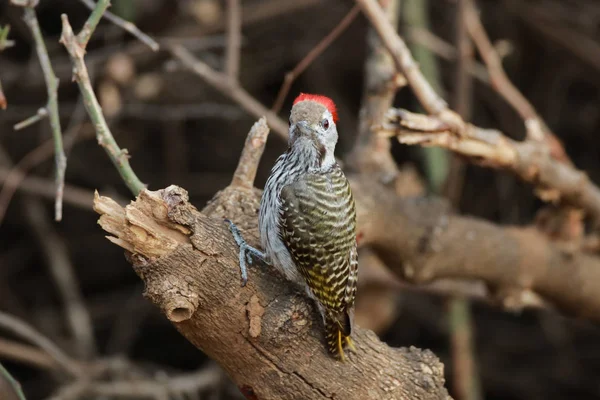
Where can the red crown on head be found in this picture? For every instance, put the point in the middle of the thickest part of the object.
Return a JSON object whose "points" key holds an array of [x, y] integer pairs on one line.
{"points": [[323, 100]]}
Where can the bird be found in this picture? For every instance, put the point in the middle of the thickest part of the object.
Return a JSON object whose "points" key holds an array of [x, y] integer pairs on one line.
{"points": [[307, 220]]}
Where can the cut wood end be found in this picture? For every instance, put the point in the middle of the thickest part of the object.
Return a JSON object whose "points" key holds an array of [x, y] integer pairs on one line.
{"points": [[106, 205], [121, 243], [142, 227]]}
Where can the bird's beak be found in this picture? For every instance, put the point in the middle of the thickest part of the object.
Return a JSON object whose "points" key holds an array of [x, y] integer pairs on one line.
{"points": [[300, 129], [303, 128]]}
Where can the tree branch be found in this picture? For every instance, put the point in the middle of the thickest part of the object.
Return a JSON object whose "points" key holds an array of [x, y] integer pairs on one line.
{"points": [[245, 172], [404, 61], [537, 130], [421, 241], [74, 195], [126, 25], [6, 379], [555, 181], [21, 329], [315, 52], [267, 335], [229, 88], [51, 109], [73, 44], [92, 22], [234, 39], [62, 271]]}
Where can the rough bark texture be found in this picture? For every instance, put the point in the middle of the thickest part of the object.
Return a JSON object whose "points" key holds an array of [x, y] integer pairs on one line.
{"points": [[422, 241], [267, 335]]}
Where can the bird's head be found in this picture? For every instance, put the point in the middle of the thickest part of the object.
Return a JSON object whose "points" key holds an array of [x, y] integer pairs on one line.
{"points": [[313, 127]]}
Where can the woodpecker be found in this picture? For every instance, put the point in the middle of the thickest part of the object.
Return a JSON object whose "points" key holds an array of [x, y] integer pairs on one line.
{"points": [[307, 220]]}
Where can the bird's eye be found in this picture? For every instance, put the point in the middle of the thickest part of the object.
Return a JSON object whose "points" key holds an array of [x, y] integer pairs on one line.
{"points": [[325, 124]]}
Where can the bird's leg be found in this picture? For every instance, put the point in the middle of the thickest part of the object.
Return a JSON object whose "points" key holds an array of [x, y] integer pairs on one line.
{"points": [[246, 251]]}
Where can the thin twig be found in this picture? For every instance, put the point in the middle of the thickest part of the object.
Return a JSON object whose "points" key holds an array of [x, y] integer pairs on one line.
{"points": [[463, 94], [231, 89], [40, 115], [500, 82], [536, 128], [16, 386], [63, 273], [91, 23], [315, 52], [168, 388], [404, 61], [18, 173], [118, 156], [5, 43], [552, 26], [445, 50], [26, 354], [126, 25], [462, 100], [253, 148], [74, 196], [234, 39], [25, 331], [51, 107]]}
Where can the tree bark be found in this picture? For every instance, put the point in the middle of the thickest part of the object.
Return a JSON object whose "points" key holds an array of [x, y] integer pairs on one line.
{"points": [[267, 335], [422, 241]]}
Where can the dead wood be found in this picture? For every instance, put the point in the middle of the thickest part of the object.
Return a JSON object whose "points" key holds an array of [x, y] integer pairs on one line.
{"points": [[267, 336]]}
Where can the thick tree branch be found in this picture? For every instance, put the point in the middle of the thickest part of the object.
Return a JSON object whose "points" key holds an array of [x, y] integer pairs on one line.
{"points": [[421, 241], [267, 336]]}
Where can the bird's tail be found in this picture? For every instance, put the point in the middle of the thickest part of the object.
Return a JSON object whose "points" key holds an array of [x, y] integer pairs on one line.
{"points": [[338, 329]]}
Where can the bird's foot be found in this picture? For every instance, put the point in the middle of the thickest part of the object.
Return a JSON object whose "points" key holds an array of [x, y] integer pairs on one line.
{"points": [[246, 251]]}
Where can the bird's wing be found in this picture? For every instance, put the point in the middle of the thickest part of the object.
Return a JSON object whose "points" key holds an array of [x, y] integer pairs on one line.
{"points": [[318, 227]]}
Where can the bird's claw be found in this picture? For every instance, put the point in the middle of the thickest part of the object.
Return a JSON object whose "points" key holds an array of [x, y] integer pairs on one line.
{"points": [[246, 251]]}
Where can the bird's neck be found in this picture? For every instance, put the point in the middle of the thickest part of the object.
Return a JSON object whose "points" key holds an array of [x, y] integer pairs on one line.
{"points": [[312, 156]]}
